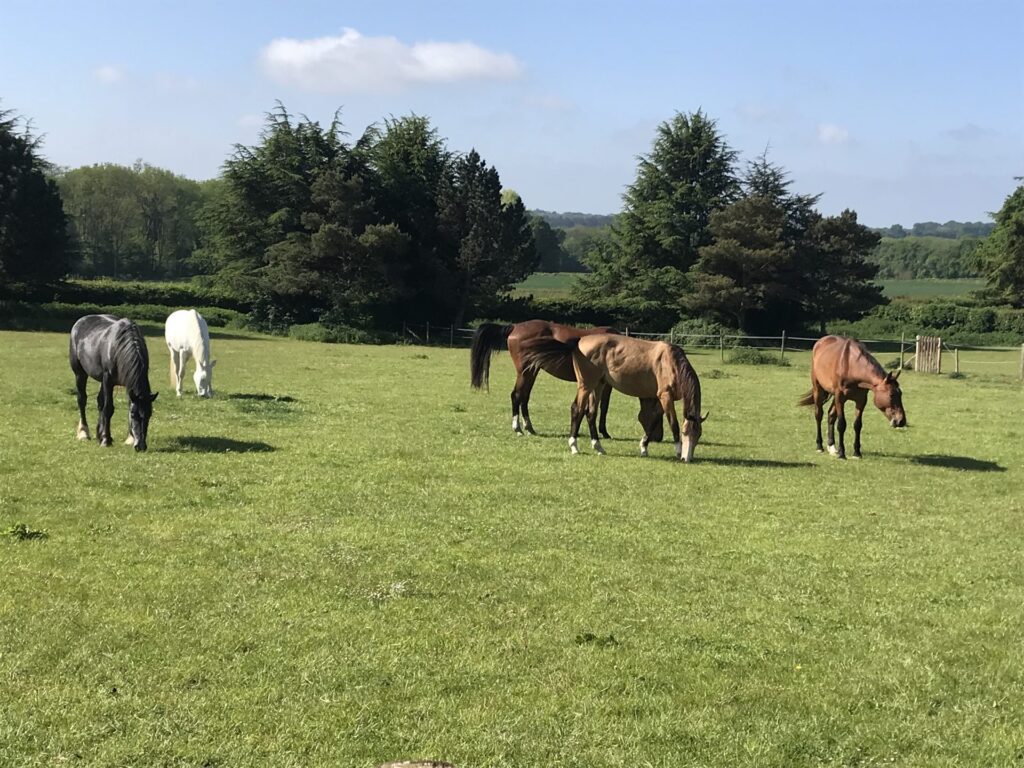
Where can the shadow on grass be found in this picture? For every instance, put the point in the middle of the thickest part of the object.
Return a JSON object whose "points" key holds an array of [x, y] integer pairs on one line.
{"points": [[727, 461], [965, 463], [260, 396], [214, 445]]}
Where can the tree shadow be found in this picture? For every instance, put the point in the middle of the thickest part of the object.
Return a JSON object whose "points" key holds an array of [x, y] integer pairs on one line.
{"points": [[963, 463], [199, 444], [261, 396]]}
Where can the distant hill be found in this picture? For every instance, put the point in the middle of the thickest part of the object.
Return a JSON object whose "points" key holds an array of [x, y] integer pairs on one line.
{"points": [[952, 230], [573, 219]]}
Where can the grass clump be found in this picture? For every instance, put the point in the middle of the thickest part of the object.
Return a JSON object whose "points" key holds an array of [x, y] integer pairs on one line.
{"points": [[754, 356], [21, 532]]}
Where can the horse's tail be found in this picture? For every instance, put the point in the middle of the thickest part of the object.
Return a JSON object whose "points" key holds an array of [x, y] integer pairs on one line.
{"points": [[545, 352], [488, 338], [173, 373], [807, 399]]}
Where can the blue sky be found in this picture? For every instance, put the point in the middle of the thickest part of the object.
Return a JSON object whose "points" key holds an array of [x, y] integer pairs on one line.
{"points": [[903, 111]]}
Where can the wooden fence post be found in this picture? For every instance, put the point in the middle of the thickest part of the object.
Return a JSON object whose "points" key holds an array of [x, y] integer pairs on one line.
{"points": [[1022, 362], [956, 360], [721, 344], [917, 352], [428, 331], [939, 367], [902, 339], [782, 356]]}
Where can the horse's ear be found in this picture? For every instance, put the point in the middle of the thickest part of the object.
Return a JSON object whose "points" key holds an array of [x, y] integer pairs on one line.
{"points": [[213, 363], [153, 396], [896, 375], [704, 417]]}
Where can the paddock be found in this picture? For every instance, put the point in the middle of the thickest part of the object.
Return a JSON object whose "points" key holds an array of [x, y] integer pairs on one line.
{"points": [[346, 557]]}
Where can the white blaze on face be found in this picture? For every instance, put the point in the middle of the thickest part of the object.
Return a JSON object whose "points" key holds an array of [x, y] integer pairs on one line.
{"points": [[688, 445]]}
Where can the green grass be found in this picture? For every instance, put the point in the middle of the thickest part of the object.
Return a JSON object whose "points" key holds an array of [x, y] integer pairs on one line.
{"points": [[346, 557], [558, 285]]}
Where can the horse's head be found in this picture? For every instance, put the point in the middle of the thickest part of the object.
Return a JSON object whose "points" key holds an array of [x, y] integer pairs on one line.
{"points": [[203, 377], [889, 399], [140, 410], [692, 430]]}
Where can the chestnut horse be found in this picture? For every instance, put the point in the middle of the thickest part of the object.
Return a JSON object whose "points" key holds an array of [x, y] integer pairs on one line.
{"points": [[490, 337], [843, 369], [650, 370]]}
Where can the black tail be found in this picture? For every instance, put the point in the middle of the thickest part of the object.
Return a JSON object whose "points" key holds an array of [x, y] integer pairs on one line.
{"points": [[808, 399], [539, 353], [488, 338]]}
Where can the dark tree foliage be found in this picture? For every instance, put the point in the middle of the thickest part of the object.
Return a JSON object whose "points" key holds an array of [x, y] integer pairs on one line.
{"points": [[912, 257], [688, 175], [1001, 256], [551, 255], [34, 242]]}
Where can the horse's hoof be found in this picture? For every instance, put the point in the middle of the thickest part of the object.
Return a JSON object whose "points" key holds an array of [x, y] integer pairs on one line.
{"points": [[530, 429], [106, 443], [856, 456], [129, 440], [605, 435], [598, 448], [820, 450], [833, 450], [81, 434]]}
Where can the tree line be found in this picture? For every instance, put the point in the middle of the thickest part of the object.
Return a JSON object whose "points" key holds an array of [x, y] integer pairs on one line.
{"points": [[308, 225]]}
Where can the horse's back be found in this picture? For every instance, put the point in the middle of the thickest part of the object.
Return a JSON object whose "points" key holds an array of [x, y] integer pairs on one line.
{"points": [[90, 342], [184, 327]]}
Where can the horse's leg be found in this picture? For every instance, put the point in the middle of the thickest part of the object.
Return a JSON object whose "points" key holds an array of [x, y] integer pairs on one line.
{"points": [[858, 417], [841, 421], [832, 413], [105, 401], [650, 418], [182, 359], [668, 405], [820, 396], [592, 400], [81, 379], [529, 379], [576, 412], [605, 397]]}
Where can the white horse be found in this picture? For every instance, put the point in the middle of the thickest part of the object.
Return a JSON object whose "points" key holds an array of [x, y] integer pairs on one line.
{"points": [[187, 336]]}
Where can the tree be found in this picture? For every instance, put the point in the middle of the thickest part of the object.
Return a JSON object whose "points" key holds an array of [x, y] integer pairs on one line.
{"points": [[491, 245], [747, 267], [688, 175], [34, 243], [551, 256], [293, 230], [838, 280], [1001, 255]]}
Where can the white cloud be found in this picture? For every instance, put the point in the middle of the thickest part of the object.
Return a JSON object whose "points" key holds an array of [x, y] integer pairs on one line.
{"points": [[353, 62], [108, 74], [829, 133]]}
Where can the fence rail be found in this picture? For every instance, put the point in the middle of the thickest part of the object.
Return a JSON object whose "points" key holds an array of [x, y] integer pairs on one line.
{"points": [[1011, 362]]}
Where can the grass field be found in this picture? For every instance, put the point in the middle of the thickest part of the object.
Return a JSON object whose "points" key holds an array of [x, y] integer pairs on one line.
{"points": [[346, 557], [558, 285]]}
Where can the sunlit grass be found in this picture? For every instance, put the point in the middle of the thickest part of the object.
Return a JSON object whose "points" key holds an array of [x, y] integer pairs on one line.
{"points": [[346, 557]]}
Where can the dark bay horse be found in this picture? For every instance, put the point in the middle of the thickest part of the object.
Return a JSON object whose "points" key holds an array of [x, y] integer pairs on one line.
{"points": [[113, 352], [491, 337], [650, 370], [843, 369]]}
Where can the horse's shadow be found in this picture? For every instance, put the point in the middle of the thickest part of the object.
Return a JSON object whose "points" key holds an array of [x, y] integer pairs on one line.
{"points": [[729, 461], [963, 463], [260, 396], [207, 444]]}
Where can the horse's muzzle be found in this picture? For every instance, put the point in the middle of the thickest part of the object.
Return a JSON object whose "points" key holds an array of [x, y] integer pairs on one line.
{"points": [[899, 423], [140, 446]]}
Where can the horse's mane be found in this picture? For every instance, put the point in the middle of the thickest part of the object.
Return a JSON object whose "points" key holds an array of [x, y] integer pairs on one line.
{"points": [[132, 358], [688, 382]]}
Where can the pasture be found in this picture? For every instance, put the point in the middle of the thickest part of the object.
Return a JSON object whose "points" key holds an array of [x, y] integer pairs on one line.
{"points": [[346, 557]]}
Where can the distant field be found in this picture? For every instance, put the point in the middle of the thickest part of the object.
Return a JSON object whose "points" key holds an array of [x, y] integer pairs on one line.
{"points": [[558, 285], [929, 289]]}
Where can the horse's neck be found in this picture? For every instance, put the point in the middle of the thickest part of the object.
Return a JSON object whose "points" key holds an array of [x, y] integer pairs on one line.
{"points": [[200, 344], [863, 368]]}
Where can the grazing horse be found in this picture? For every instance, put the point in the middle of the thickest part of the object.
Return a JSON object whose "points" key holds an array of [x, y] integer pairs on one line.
{"points": [[187, 336], [113, 352], [843, 369], [490, 337], [645, 369]]}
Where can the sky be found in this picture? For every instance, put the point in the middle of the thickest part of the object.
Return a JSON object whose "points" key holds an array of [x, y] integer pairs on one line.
{"points": [[903, 111]]}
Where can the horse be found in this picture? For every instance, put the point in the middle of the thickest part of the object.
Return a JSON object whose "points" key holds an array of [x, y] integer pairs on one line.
{"points": [[843, 369], [112, 351], [187, 336], [490, 337], [650, 370]]}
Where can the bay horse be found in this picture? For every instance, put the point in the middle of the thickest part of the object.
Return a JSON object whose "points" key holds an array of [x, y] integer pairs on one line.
{"points": [[187, 335], [491, 337], [113, 351], [843, 369], [650, 370]]}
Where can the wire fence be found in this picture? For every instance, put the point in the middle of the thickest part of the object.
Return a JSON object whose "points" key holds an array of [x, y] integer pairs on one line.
{"points": [[956, 359]]}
